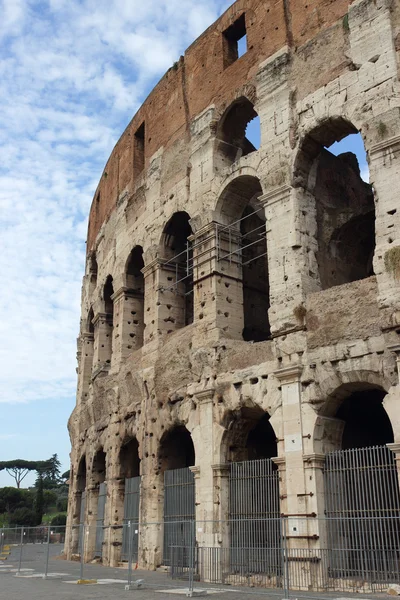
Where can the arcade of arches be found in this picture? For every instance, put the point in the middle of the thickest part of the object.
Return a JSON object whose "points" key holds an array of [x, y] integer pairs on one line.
{"points": [[238, 353]]}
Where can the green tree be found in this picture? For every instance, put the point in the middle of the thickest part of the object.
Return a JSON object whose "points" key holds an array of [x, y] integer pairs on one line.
{"points": [[39, 501], [18, 469], [25, 517]]}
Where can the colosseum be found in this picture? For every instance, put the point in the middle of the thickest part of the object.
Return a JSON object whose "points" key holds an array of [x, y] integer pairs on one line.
{"points": [[239, 342]]}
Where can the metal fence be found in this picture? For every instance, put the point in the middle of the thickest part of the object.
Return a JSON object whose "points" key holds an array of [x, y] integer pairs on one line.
{"points": [[300, 561], [179, 510]]}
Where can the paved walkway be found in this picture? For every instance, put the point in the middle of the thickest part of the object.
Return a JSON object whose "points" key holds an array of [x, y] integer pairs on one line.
{"points": [[61, 584]]}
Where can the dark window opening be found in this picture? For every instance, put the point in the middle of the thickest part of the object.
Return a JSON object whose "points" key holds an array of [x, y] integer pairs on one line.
{"points": [[107, 337], [332, 166], [134, 275], [238, 133], [81, 475], [139, 150], [239, 206], [177, 250], [250, 435], [234, 41], [254, 276], [176, 449], [89, 322], [129, 459], [99, 468], [366, 421]]}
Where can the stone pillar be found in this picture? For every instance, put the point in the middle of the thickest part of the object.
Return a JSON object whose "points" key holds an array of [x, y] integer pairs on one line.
{"points": [[85, 365], [92, 497], [384, 160], [303, 491], [292, 265], [151, 507], [114, 521], [203, 439], [221, 504], [102, 341], [217, 280], [395, 448], [164, 301], [128, 327]]}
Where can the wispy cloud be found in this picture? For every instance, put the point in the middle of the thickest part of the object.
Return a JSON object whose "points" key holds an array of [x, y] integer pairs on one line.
{"points": [[71, 77]]}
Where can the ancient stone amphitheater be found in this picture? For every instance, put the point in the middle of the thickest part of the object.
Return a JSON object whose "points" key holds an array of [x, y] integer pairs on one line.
{"points": [[240, 320]]}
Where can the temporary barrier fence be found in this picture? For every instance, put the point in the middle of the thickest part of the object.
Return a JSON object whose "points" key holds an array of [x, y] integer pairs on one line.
{"points": [[299, 560]]}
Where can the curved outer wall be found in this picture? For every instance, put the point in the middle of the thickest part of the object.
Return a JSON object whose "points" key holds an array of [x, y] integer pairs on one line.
{"points": [[328, 63]]}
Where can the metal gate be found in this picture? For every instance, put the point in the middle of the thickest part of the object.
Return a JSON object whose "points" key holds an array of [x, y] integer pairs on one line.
{"points": [[131, 515], [179, 511], [254, 517], [363, 514], [101, 505]]}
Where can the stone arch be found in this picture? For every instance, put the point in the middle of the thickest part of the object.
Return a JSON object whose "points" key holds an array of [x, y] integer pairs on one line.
{"points": [[231, 142], [248, 435], [177, 266], [99, 467], [129, 459], [353, 415], [176, 449], [81, 474], [342, 203], [243, 244], [89, 328]]}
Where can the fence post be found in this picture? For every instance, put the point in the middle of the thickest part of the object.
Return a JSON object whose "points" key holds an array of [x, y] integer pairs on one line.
{"points": [[285, 560], [130, 529], [192, 538], [46, 568], [20, 551], [83, 532]]}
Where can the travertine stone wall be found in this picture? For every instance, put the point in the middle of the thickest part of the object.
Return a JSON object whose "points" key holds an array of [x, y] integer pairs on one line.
{"points": [[314, 72]]}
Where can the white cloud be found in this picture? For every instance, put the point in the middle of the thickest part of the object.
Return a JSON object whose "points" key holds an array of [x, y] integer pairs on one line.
{"points": [[71, 77]]}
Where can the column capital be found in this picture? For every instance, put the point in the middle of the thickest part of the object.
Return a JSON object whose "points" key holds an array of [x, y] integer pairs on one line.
{"points": [[221, 469], [195, 470], [395, 348], [125, 292], [280, 462], [87, 336], [205, 396], [395, 448], [290, 374], [277, 195], [314, 460], [101, 316]]}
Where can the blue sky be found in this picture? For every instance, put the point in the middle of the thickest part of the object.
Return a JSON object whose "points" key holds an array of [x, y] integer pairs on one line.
{"points": [[72, 75]]}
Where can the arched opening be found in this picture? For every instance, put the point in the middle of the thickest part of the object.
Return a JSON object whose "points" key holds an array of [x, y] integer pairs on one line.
{"points": [[176, 250], [254, 505], [130, 472], [238, 133], [106, 332], [86, 356], [89, 321], [362, 500], [344, 202], [243, 253], [134, 300], [100, 490], [176, 455], [93, 271]]}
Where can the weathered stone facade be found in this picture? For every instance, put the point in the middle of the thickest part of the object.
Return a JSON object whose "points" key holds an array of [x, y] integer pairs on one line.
{"points": [[320, 310]]}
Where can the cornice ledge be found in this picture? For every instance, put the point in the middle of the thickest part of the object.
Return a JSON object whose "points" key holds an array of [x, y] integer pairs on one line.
{"points": [[385, 145], [277, 195], [289, 374]]}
